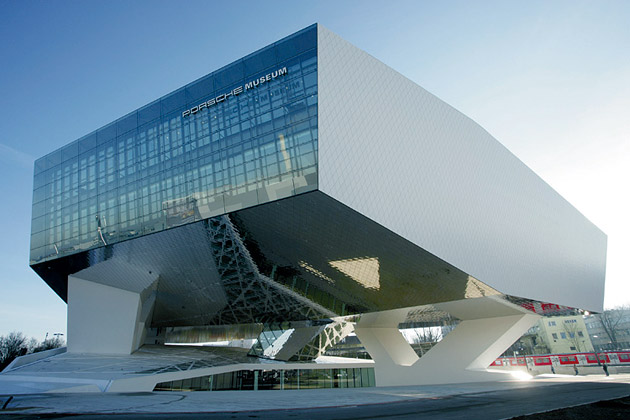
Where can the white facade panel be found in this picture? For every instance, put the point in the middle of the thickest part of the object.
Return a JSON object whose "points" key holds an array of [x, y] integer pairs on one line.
{"points": [[407, 160], [101, 319]]}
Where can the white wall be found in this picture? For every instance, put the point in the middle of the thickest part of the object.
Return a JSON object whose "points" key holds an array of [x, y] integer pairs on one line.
{"points": [[407, 160], [102, 319]]}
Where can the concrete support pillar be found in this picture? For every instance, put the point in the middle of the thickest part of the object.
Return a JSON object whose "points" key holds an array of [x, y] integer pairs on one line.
{"points": [[487, 328], [387, 346], [104, 319]]}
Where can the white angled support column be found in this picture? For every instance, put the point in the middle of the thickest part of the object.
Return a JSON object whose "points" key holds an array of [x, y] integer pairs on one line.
{"points": [[379, 334], [387, 346], [104, 319], [488, 327]]}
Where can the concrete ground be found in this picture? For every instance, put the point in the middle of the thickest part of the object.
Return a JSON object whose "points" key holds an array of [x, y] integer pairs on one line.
{"points": [[488, 400], [140, 371]]}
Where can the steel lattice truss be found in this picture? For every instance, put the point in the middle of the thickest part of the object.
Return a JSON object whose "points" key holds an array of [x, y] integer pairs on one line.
{"points": [[331, 335], [252, 297]]}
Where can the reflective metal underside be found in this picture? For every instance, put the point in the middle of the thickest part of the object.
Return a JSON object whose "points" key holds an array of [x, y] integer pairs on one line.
{"points": [[307, 257]]}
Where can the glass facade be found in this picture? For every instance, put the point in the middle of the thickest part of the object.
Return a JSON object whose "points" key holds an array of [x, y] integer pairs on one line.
{"points": [[279, 379], [241, 136], [203, 159]]}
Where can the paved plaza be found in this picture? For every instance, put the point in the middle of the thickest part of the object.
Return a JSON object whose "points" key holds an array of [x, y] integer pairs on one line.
{"points": [[500, 399]]}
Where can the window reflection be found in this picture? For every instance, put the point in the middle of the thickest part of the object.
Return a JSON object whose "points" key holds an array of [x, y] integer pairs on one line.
{"points": [[364, 271], [276, 379], [163, 170]]}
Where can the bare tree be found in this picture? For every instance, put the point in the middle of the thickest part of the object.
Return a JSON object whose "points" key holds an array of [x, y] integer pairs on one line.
{"points": [[425, 338], [48, 344], [16, 344], [428, 334], [572, 329], [11, 346], [611, 320]]}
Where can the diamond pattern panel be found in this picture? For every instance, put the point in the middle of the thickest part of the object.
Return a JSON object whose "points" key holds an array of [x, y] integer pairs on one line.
{"points": [[400, 156]]}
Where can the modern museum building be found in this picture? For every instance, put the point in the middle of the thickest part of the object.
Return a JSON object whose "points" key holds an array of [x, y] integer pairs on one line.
{"points": [[303, 206]]}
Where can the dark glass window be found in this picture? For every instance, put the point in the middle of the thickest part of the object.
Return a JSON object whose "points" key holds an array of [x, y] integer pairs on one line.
{"points": [[156, 168], [149, 113], [227, 76], [263, 59], [247, 380], [87, 143], [106, 133], [128, 123], [173, 101]]}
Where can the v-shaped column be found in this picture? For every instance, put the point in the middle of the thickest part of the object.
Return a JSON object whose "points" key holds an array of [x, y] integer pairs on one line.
{"points": [[488, 327]]}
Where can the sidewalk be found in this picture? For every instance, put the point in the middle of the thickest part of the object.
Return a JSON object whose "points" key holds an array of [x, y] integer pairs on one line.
{"points": [[238, 401]]}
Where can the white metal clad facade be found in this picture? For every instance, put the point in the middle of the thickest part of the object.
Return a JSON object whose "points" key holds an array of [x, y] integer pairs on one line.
{"points": [[404, 158]]}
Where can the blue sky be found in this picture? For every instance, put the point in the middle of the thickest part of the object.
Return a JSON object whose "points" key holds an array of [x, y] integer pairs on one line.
{"points": [[550, 80]]}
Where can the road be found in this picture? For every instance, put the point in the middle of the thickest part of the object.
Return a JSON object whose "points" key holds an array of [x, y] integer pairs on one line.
{"points": [[501, 404]]}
